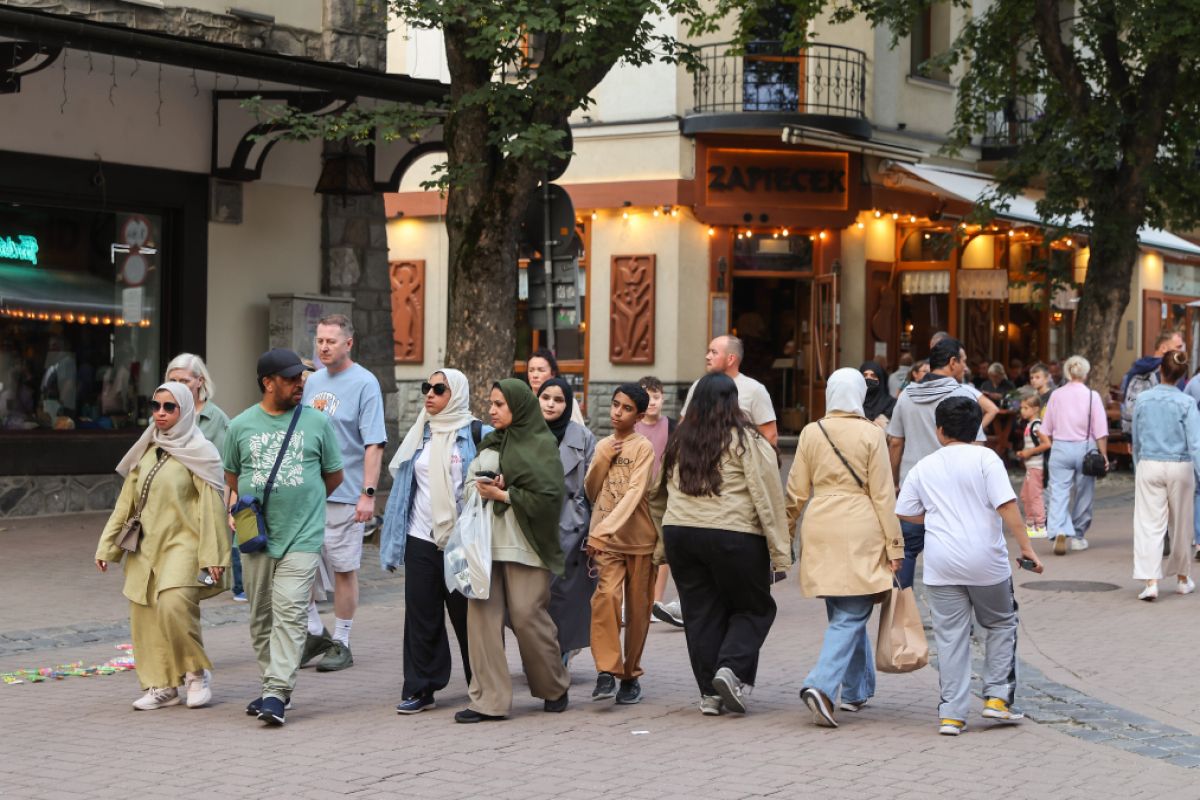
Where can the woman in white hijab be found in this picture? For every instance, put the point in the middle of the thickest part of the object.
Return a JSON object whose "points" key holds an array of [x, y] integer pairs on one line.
{"points": [[427, 493], [181, 553], [841, 482]]}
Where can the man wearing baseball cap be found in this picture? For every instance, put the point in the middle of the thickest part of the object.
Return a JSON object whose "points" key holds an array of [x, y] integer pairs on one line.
{"points": [[279, 579]]}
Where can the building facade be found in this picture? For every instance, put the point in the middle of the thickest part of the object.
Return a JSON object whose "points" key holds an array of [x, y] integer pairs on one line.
{"points": [[798, 199], [146, 211]]}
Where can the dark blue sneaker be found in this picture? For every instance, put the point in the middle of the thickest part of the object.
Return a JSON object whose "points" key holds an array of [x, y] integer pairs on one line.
{"points": [[255, 706], [271, 711], [415, 705]]}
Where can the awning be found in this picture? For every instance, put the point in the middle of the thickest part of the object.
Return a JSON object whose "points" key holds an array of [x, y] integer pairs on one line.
{"points": [[971, 187], [819, 137]]}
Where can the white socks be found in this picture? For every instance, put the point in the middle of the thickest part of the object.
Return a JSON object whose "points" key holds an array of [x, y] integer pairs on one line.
{"points": [[314, 620], [341, 630]]}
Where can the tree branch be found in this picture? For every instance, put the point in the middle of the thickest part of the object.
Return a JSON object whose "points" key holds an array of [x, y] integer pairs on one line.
{"points": [[1060, 58], [1109, 44]]}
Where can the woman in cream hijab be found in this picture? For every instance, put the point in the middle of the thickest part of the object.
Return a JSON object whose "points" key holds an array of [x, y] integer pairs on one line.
{"points": [[184, 538], [427, 491], [841, 481]]}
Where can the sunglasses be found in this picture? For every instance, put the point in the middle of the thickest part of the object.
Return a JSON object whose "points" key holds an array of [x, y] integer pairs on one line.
{"points": [[438, 388], [167, 407]]}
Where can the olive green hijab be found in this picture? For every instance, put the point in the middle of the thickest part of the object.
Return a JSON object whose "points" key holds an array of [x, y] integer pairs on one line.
{"points": [[533, 474]]}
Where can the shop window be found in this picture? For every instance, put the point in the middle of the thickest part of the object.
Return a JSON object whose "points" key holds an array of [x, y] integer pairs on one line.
{"points": [[772, 252], [928, 245], [80, 304]]}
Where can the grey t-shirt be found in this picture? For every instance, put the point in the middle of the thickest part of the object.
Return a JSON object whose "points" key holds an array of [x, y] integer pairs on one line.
{"points": [[913, 418], [354, 404], [753, 399]]}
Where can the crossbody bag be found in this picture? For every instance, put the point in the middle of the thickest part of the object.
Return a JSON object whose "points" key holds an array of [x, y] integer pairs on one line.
{"points": [[131, 532], [1094, 465], [849, 468], [249, 513]]}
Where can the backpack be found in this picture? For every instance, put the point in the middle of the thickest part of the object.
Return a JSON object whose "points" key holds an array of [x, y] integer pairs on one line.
{"points": [[1137, 385], [476, 432]]}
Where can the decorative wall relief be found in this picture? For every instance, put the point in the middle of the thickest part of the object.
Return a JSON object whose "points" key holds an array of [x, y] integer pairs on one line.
{"points": [[631, 329], [408, 310]]}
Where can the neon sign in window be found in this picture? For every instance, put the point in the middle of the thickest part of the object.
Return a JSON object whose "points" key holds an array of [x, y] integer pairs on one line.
{"points": [[19, 248]]}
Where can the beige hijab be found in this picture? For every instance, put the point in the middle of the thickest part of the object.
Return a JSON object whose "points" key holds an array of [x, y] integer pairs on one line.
{"points": [[183, 441]]}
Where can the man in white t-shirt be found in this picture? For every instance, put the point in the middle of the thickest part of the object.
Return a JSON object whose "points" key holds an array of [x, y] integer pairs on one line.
{"points": [[963, 497], [725, 354]]}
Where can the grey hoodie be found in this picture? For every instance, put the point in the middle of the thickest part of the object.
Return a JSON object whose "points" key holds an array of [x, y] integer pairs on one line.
{"points": [[913, 418]]}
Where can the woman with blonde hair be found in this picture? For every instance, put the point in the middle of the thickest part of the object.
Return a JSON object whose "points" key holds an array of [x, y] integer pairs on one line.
{"points": [[173, 485], [1075, 423], [190, 370], [851, 545], [1166, 452]]}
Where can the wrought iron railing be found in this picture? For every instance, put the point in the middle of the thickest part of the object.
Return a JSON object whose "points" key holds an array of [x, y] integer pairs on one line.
{"points": [[819, 79], [1011, 126]]}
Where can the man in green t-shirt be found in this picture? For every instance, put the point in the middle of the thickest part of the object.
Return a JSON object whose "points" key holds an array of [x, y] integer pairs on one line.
{"points": [[310, 470]]}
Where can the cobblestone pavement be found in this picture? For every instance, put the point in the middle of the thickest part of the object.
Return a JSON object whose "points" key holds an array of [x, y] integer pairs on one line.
{"points": [[1107, 679]]}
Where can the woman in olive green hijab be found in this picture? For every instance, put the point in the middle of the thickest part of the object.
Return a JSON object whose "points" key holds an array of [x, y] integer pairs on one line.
{"points": [[525, 498]]}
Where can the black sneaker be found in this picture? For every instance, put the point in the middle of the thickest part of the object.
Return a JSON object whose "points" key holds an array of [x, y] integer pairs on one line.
{"points": [[630, 693], [415, 705], [606, 687], [470, 715], [255, 706], [557, 706], [271, 711], [315, 646]]}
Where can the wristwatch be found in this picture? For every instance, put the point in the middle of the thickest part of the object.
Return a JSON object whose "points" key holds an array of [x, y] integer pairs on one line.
{"points": [[369, 491]]}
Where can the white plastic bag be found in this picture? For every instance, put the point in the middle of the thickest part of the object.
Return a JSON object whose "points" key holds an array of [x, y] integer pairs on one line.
{"points": [[467, 563]]}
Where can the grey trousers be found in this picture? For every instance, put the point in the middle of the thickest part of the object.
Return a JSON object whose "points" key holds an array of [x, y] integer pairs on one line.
{"points": [[995, 610], [278, 591]]}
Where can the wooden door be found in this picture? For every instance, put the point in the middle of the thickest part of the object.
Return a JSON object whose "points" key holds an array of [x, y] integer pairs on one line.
{"points": [[826, 321]]}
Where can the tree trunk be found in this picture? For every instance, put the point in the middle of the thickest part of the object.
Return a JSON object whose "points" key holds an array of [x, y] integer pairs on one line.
{"points": [[1111, 262]]}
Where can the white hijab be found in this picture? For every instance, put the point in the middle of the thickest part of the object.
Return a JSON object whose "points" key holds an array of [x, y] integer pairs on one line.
{"points": [[444, 427], [845, 391], [183, 441]]}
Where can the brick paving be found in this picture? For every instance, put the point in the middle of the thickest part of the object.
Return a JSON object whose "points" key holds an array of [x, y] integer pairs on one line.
{"points": [[1125, 662]]}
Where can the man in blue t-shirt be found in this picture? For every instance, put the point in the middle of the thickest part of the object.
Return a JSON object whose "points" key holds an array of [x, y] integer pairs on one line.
{"points": [[350, 397], [279, 579]]}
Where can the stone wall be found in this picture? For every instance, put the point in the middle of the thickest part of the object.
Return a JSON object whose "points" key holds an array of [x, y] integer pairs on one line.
{"points": [[189, 22], [36, 495], [600, 399]]}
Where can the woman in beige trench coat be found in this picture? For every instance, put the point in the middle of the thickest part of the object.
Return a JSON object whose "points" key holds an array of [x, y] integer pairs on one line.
{"points": [[850, 540]]}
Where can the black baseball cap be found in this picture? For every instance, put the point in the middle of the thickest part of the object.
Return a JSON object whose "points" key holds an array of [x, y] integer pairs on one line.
{"points": [[282, 362]]}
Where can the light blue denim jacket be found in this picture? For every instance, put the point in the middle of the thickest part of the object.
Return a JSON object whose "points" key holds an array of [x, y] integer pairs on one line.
{"points": [[394, 535], [1166, 426]]}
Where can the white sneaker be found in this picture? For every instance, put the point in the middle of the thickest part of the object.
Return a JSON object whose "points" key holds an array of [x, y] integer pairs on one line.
{"points": [[198, 686], [1149, 593], [1185, 587], [1042, 533], [710, 705], [668, 613], [1078, 543], [157, 698]]}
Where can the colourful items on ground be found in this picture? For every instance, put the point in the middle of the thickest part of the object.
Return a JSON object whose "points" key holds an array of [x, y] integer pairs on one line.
{"points": [[77, 669]]}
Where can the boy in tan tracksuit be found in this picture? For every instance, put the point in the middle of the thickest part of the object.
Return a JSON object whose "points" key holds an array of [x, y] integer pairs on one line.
{"points": [[621, 544]]}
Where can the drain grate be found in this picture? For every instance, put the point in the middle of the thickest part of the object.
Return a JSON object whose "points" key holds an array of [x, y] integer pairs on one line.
{"points": [[1070, 586]]}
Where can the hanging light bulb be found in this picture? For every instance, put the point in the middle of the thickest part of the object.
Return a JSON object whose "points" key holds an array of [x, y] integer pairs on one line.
{"points": [[655, 212], [594, 215], [712, 231], [624, 215], [821, 235], [859, 225], [674, 212], [785, 232], [878, 213]]}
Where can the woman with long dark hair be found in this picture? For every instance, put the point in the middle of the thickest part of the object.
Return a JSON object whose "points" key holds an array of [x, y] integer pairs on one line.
{"points": [[724, 527]]}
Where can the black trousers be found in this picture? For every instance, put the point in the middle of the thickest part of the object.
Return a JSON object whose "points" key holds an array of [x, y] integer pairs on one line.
{"points": [[724, 583], [426, 645]]}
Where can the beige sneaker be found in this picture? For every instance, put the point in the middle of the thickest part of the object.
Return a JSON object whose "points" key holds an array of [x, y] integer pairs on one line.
{"points": [[199, 691], [155, 699]]}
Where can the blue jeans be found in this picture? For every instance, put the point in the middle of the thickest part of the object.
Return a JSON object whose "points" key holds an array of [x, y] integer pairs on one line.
{"points": [[845, 662], [914, 543], [238, 588], [1066, 472]]}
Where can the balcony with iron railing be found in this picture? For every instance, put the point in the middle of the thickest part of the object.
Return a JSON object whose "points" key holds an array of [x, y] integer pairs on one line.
{"points": [[1008, 128], [821, 85]]}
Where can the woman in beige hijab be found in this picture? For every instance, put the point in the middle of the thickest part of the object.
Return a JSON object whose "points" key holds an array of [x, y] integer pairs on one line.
{"points": [[181, 554]]}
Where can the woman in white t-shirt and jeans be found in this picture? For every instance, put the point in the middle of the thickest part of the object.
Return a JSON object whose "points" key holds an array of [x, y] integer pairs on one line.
{"points": [[962, 495]]}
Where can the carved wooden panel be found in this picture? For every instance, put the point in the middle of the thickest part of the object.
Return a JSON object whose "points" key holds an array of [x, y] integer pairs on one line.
{"points": [[631, 302], [408, 310]]}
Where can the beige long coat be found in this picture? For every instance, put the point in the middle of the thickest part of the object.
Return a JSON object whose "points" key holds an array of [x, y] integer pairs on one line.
{"points": [[848, 533]]}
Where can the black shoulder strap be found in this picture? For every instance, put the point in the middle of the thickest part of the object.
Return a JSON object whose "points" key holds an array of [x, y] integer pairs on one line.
{"points": [[476, 432], [279, 457], [853, 474]]}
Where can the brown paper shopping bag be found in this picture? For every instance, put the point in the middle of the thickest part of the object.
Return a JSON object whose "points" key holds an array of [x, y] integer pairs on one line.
{"points": [[901, 646]]}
